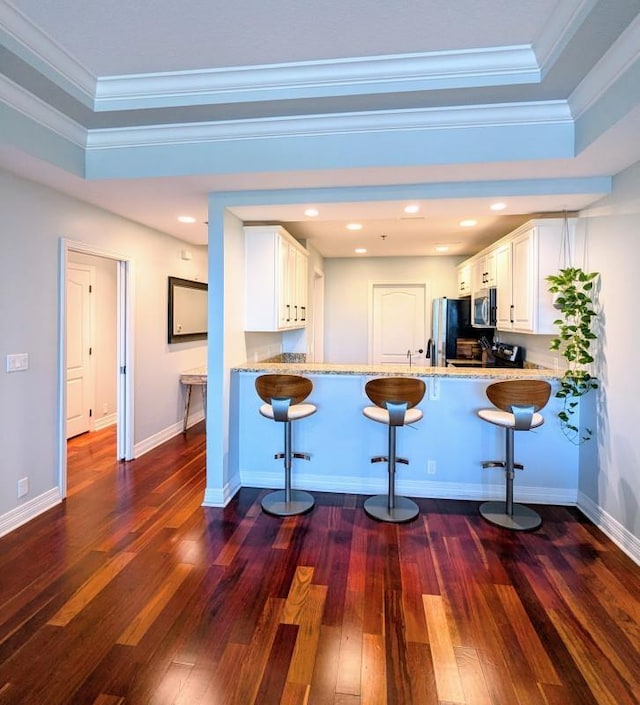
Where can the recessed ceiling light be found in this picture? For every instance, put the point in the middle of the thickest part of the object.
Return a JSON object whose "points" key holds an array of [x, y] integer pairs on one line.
{"points": [[312, 212], [413, 208], [498, 206], [468, 223], [360, 250], [186, 219], [354, 226], [442, 248]]}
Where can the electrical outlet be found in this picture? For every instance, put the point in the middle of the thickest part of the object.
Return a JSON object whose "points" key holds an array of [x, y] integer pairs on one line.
{"points": [[434, 389], [431, 467], [23, 487]]}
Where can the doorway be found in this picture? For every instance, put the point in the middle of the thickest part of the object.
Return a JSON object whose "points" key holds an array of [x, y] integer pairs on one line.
{"points": [[398, 324], [84, 407]]}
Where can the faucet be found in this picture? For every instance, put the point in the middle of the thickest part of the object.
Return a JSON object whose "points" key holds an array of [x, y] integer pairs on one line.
{"points": [[419, 351]]}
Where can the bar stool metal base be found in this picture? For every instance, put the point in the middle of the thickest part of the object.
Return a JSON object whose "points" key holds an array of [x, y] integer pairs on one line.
{"points": [[522, 519], [404, 510], [276, 503]]}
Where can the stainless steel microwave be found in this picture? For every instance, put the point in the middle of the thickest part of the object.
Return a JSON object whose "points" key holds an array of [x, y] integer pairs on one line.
{"points": [[483, 313]]}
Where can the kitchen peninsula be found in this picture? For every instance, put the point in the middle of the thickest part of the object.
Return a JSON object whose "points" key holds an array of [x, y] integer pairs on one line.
{"points": [[450, 440]]}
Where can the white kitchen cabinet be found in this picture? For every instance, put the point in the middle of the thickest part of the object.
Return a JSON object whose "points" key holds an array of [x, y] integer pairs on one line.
{"points": [[521, 262], [503, 277], [464, 279], [483, 272], [275, 280]]}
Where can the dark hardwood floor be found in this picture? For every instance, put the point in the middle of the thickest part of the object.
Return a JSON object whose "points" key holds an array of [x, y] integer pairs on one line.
{"points": [[130, 592]]}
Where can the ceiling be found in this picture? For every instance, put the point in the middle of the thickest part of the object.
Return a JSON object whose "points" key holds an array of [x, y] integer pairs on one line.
{"points": [[127, 67]]}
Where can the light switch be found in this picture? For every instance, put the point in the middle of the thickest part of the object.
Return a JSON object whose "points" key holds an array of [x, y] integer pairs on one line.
{"points": [[17, 362]]}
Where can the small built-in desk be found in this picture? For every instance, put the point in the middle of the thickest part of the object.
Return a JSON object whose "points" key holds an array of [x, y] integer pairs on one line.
{"points": [[190, 378]]}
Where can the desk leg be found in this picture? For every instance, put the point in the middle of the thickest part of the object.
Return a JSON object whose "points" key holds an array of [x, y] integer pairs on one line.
{"points": [[204, 401], [186, 409]]}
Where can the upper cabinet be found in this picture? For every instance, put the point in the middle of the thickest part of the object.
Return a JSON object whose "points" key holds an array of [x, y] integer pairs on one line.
{"points": [[464, 279], [521, 261], [483, 272], [275, 280]]}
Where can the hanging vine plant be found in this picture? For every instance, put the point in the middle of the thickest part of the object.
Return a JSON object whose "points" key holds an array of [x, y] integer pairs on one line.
{"points": [[573, 297]]}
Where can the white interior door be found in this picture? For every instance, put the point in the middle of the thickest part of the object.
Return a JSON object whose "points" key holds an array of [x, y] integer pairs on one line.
{"points": [[79, 389], [398, 324]]}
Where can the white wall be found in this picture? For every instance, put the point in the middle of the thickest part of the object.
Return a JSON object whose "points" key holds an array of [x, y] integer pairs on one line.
{"points": [[610, 465], [347, 286], [104, 335], [34, 220]]}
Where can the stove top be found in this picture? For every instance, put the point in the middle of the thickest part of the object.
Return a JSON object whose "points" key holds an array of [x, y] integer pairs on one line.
{"points": [[502, 355]]}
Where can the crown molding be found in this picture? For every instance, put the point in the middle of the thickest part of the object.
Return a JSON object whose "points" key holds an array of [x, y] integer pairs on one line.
{"points": [[42, 113], [620, 57], [311, 79], [550, 112], [559, 29], [43, 53]]}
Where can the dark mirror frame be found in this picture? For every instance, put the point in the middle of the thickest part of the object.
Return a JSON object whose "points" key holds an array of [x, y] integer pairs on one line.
{"points": [[175, 283]]}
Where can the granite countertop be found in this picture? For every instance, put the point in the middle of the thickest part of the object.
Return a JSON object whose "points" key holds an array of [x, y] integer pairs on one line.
{"points": [[310, 368]]}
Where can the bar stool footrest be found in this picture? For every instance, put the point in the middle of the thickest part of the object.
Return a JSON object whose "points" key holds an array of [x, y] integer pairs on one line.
{"points": [[385, 459], [301, 456], [275, 503], [405, 509], [522, 519], [501, 464]]}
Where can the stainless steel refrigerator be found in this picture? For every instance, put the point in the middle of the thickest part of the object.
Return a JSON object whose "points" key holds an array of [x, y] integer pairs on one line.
{"points": [[450, 320]]}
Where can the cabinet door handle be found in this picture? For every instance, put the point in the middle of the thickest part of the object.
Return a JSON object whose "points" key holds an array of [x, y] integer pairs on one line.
{"points": [[303, 313], [511, 313], [288, 313], [295, 315]]}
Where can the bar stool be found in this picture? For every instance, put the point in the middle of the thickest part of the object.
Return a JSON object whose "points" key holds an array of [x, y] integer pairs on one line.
{"points": [[518, 402], [283, 396], [394, 399]]}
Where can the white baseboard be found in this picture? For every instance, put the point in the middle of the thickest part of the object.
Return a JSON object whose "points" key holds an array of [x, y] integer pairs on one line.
{"points": [[220, 498], [435, 490], [623, 538], [166, 434], [29, 510], [105, 421]]}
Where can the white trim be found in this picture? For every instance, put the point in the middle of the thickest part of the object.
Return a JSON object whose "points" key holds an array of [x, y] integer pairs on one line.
{"points": [[125, 403], [105, 421], [39, 48], [611, 527], [165, 434], [37, 110], [552, 112], [220, 498], [506, 65], [342, 482], [559, 29], [620, 57], [29, 510]]}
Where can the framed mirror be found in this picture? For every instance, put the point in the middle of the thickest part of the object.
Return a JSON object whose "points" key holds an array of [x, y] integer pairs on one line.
{"points": [[187, 310]]}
